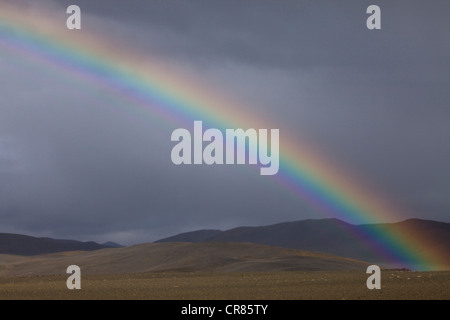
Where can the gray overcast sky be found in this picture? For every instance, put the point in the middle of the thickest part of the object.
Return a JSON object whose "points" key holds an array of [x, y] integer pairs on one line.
{"points": [[377, 102]]}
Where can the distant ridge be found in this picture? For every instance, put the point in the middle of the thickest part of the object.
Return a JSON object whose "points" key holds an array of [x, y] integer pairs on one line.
{"points": [[179, 257], [111, 244], [193, 236], [17, 244], [331, 236]]}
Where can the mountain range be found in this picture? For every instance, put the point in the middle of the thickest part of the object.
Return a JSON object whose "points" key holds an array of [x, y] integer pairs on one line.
{"points": [[331, 236], [325, 236], [18, 244], [178, 257]]}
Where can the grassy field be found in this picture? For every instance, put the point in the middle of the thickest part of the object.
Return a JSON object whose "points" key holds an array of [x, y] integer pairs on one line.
{"points": [[339, 285]]}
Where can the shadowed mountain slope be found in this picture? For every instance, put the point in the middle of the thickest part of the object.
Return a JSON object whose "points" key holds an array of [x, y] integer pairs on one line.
{"points": [[331, 236], [26, 245]]}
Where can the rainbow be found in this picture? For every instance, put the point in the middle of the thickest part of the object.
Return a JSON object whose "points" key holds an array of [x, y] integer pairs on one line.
{"points": [[180, 98]]}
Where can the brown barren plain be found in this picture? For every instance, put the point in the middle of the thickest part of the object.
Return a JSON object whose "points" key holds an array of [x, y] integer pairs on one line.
{"points": [[291, 285], [225, 271]]}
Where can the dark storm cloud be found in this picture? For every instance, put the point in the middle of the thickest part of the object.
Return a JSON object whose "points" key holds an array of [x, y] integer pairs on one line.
{"points": [[290, 34], [74, 165]]}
